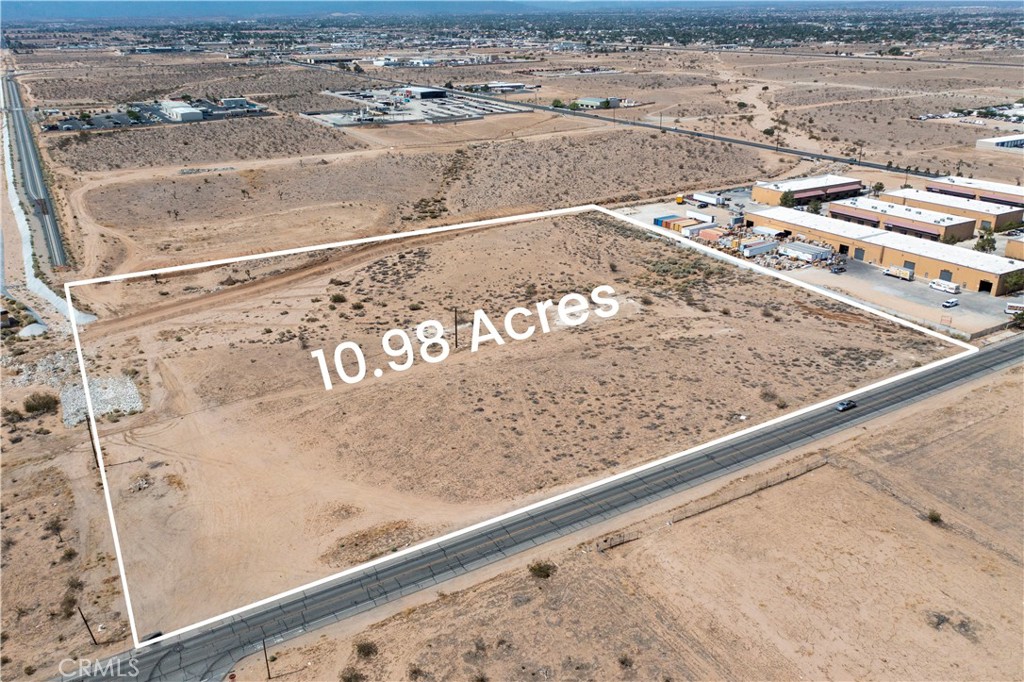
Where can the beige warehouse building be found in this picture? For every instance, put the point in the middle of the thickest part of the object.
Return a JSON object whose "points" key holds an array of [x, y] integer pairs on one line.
{"points": [[973, 270], [985, 214], [1015, 248], [983, 190], [805, 190], [916, 222]]}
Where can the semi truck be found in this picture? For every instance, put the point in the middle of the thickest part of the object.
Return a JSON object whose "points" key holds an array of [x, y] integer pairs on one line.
{"points": [[900, 273], [711, 199]]}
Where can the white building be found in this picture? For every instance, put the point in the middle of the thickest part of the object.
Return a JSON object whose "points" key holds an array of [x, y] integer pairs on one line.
{"points": [[181, 112]]}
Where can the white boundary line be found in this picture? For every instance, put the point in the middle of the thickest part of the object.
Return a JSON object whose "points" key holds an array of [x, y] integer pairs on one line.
{"points": [[968, 350]]}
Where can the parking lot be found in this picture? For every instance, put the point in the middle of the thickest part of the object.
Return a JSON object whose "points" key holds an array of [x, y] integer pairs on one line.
{"points": [[382, 106], [915, 301]]}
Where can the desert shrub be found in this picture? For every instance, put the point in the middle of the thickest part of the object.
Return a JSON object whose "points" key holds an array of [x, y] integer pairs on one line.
{"points": [[68, 604], [41, 403], [350, 674], [69, 554], [542, 569], [366, 649], [338, 298], [11, 416], [358, 305], [934, 517], [625, 661], [769, 395]]}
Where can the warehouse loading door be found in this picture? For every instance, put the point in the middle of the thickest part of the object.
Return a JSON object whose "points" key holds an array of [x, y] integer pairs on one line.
{"points": [[858, 254], [946, 275], [908, 264], [985, 286]]}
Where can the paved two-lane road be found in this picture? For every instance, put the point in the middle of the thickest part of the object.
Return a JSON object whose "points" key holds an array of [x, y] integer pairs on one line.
{"points": [[30, 172], [211, 652]]}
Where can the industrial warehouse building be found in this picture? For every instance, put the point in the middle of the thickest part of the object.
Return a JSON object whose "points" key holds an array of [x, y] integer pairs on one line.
{"points": [[916, 222], [983, 190], [598, 102], [973, 270], [1007, 143], [805, 190], [181, 112], [417, 92], [1015, 248], [986, 215]]}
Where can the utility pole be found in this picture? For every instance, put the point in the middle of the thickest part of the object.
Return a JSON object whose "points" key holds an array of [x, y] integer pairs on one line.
{"points": [[266, 659], [87, 626], [456, 327]]}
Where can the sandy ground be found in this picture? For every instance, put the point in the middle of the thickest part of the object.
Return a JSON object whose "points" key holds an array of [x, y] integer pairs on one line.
{"points": [[597, 400], [833, 575]]}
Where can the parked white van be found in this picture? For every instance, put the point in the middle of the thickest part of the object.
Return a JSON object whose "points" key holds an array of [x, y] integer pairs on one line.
{"points": [[943, 285]]}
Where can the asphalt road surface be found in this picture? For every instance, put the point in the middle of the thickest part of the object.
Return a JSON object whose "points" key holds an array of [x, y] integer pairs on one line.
{"points": [[211, 653], [31, 173]]}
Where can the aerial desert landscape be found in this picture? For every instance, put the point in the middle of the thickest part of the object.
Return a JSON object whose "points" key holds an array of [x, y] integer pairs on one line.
{"points": [[889, 548]]}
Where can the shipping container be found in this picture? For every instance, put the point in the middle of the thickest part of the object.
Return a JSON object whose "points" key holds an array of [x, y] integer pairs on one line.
{"points": [[661, 220], [756, 248], [808, 253], [703, 217]]}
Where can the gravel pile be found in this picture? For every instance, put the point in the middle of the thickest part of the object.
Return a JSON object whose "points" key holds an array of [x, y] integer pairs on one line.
{"points": [[53, 370], [109, 394]]}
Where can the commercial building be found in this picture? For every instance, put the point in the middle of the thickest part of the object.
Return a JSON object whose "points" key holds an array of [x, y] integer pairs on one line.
{"points": [[985, 215], [983, 190], [417, 92], [180, 111], [916, 222], [598, 102], [972, 270], [1006, 143], [234, 102], [805, 190]]}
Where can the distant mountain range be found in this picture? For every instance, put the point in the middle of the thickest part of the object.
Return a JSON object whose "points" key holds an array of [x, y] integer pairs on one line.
{"points": [[229, 10]]}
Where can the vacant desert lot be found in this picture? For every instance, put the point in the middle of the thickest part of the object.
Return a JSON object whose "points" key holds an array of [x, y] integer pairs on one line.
{"points": [[829, 576], [206, 142], [167, 218], [463, 439]]}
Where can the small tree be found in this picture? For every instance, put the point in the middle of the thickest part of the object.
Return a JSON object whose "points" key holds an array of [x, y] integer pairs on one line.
{"points": [[788, 199], [558, 104], [814, 207], [1014, 282], [878, 188], [1017, 322], [986, 242], [449, 85], [769, 132]]}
